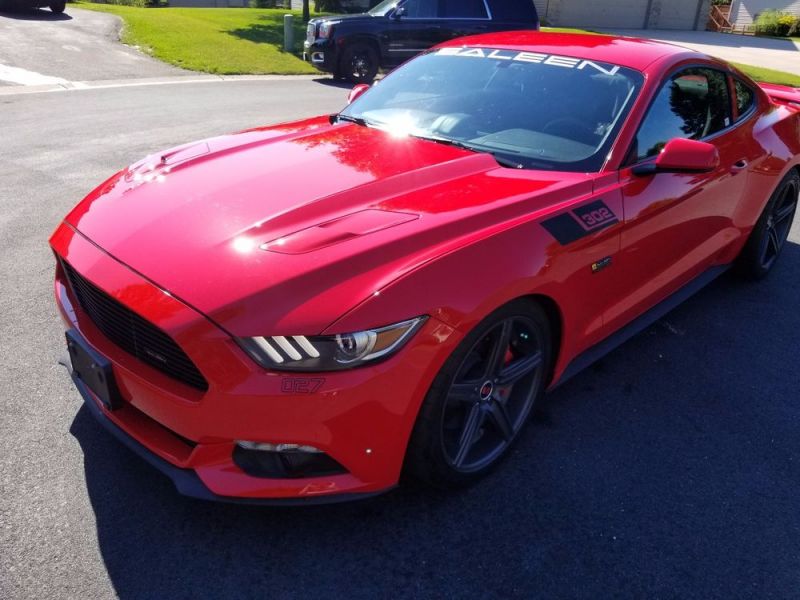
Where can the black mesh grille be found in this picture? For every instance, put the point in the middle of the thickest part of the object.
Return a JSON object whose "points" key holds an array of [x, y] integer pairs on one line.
{"points": [[134, 334]]}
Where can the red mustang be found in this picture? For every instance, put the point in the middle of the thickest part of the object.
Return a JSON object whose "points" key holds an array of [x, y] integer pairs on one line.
{"points": [[301, 312]]}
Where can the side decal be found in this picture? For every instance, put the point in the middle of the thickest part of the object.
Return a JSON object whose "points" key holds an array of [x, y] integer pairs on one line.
{"points": [[571, 226]]}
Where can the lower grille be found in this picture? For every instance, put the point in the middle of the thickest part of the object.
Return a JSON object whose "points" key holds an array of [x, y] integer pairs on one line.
{"points": [[134, 334]]}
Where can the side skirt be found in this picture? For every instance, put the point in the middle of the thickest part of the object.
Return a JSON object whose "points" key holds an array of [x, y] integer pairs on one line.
{"points": [[639, 324]]}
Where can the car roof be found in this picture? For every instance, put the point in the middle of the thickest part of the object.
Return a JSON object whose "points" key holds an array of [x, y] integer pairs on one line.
{"points": [[634, 53]]}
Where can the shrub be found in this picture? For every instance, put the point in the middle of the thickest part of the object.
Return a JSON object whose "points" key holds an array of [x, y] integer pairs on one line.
{"points": [[137, 3], [270, 3], [773, 22]]}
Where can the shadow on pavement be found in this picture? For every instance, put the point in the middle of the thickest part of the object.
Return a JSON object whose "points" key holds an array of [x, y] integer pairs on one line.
{"points": [[337, 83], [32, 14], [668, 468]]}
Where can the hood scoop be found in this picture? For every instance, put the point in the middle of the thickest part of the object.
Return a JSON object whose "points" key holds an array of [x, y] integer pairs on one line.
{"points": [[337, 230]]}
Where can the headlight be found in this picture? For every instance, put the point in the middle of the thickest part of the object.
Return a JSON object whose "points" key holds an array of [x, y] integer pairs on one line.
{"points": [[325, 29], [329, 352]]}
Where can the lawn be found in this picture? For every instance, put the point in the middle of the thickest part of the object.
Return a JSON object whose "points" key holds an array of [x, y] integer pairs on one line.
{"points": [[250, 40], [769, 76], [213, 40]]}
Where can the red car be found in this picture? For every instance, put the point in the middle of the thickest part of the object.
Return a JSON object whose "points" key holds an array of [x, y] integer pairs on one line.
{"points": [[301, 312]]}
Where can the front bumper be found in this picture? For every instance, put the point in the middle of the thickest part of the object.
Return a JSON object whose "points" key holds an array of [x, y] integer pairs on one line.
{"points": [[322, 54], [361, 418]]}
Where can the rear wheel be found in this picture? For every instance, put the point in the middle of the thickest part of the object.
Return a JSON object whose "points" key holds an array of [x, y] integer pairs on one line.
{"points": [[359, 63], [771, 231], [482, 397], [58, 6]]}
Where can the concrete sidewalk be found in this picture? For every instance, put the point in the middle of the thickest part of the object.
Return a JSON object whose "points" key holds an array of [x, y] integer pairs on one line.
{"points": [[770, 53]]}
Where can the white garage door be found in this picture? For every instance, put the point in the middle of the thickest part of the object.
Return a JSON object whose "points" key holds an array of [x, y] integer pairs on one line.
{"points": [[673, 14], [628, 14]]}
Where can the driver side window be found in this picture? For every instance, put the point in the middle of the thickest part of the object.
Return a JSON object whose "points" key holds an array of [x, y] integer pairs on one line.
{"points": [[693, 104], [421, 9]]}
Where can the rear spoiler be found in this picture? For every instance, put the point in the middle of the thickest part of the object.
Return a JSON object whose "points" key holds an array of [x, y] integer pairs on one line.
{"points": [[782, 94]]}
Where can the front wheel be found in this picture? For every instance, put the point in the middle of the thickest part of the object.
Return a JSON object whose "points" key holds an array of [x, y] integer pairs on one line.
{"points": [[771, 231], [482, 397], [58, 6], [359, 63]]}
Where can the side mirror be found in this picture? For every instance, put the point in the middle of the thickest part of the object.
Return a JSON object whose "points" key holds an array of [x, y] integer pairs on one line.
{"points": [[399, 12], [682, 156], [357, 92]]}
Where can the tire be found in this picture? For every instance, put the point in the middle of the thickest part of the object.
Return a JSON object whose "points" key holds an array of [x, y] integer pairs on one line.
{"points": [[58, 6], [470, 417], [768, 237], [359, 63]]}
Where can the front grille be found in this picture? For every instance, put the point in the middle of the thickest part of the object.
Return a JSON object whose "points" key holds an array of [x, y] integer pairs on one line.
{"points": [[135, 335]]}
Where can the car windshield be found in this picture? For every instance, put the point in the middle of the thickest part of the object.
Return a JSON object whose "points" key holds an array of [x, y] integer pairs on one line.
{"points": [[382, 8], [529, 110]]}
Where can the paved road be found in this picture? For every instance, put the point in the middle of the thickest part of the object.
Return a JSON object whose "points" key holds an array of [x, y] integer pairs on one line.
{"points": [[670, 469], [79, 45], [781, 55]]}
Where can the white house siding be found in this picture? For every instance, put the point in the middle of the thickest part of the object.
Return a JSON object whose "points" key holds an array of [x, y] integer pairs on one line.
{"points": [[744, 12]]}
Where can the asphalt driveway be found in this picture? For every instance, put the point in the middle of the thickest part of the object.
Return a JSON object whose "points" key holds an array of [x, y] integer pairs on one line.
{"points": [[38, 47], [771, 53], [668, 470]]}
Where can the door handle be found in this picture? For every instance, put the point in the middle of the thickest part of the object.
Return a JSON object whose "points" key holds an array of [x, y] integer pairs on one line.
{"points": [[739, 165]]}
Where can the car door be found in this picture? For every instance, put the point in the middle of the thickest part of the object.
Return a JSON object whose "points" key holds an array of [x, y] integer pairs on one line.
{"points": [[415, 29], [463, 17], [677, 224]]}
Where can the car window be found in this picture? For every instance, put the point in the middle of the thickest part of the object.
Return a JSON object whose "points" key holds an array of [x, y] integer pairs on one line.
{"points": [[462, 9], [421, 9], [693, 104], [744, 98], [526, 107]]}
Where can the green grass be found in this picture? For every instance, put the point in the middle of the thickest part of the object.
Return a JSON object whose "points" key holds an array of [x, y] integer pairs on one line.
{"points": [[250, 40], [769, 75], [569, 30], [213, 40]]}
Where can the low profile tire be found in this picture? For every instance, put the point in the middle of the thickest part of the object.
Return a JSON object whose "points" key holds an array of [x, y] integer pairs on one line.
{"points": [[359, 63], [482, 397], [771, 231], [58, 7]]}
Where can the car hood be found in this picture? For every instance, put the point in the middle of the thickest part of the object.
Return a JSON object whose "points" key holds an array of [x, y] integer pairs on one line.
{"points": [[281, 230], [354, 18]]}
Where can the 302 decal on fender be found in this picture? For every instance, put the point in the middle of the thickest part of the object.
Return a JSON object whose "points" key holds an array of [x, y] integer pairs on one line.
{"points": [[571, 226]]}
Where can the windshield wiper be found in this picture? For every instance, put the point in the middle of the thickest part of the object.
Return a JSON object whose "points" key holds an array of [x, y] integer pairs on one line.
{"points": [[357, 120], [505, 162]]}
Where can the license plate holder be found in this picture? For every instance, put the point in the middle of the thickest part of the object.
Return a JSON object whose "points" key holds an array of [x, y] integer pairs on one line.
{"points": [[94, 370]]}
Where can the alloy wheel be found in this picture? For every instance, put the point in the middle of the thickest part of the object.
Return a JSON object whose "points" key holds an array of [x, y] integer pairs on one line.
{"points": [[779, 222], [492, 393]]}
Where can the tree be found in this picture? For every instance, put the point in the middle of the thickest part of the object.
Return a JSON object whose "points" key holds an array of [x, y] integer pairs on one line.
{"points": [[306, 11]]}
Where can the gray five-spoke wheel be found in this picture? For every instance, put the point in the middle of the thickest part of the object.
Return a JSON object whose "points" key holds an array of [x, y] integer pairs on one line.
{"points": [[779, 222], [492, 393]]}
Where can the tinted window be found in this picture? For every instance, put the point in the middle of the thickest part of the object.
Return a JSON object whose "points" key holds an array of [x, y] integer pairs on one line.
{"points": [[525, 107], [692, 104], [744, 97], [463, 9], [421, 9]]}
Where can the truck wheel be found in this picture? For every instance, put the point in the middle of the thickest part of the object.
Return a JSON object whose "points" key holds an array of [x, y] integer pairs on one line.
{"points": [[58, 6], [359, 63]]}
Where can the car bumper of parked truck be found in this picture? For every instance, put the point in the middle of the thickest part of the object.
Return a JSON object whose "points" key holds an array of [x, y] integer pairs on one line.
{"points": [[322, 54]]}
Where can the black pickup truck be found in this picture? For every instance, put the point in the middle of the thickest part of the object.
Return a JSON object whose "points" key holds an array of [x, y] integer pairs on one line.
{"points": [[354, 47]]}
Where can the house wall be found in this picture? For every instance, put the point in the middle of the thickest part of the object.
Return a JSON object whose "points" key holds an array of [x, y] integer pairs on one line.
{"points": [[744, 12]]}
